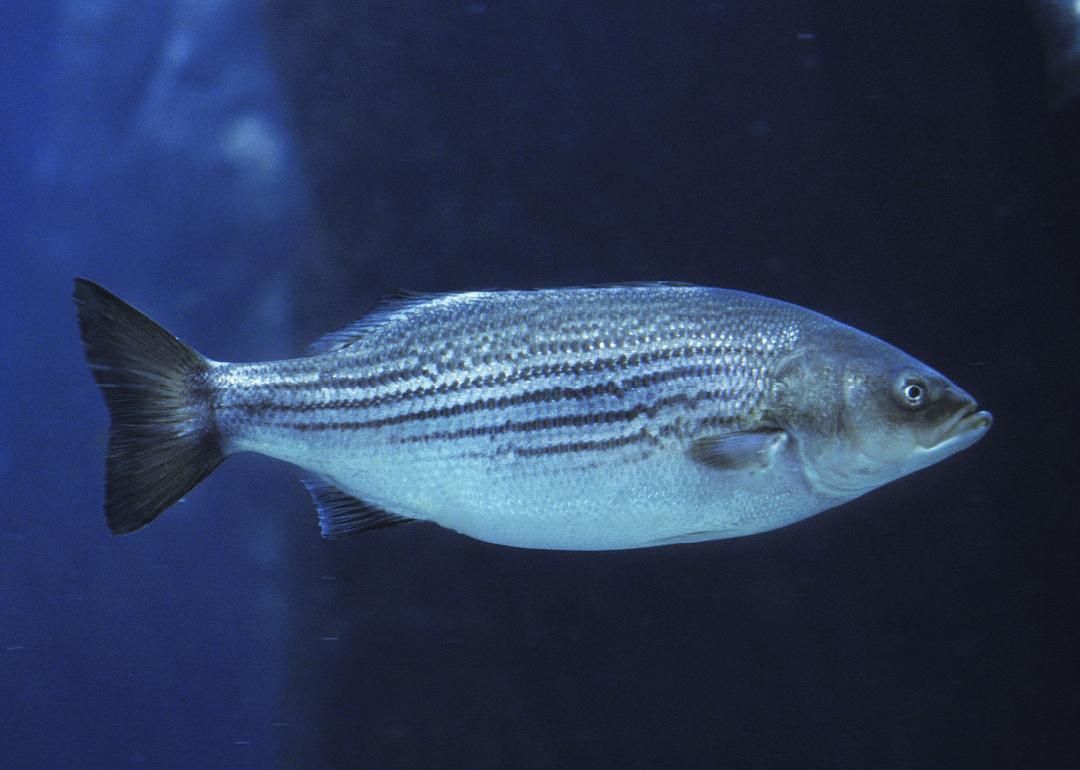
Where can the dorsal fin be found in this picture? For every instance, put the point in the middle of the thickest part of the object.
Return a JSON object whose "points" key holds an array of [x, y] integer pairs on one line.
{"points": [[401, 304], [396, 307], [389, 309], [342, 514]]}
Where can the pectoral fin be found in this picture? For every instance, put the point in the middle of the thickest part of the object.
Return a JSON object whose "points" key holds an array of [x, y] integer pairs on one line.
{"points": [[743, 450]]}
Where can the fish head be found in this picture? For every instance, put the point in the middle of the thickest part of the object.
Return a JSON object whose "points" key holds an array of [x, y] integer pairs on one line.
{"points": [[863, 413]]}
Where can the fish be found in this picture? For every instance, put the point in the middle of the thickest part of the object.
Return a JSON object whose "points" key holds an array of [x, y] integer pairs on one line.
{"points": [[584, 418]]}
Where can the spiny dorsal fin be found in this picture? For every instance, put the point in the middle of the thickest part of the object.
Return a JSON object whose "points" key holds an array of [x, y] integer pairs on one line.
{"points": [[341, 514], [742, 450]]}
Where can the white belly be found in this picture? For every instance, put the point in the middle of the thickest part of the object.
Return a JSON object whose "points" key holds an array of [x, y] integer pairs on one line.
{"points": [[665, 498]]}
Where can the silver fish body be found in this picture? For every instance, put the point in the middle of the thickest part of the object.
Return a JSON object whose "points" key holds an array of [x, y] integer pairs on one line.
{"points": [[583, 418]]}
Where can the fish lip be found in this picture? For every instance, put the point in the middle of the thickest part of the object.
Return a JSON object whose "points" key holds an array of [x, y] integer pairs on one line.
{"points": [[968, 422]]}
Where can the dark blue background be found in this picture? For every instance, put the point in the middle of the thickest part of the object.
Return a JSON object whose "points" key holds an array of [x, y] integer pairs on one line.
{"points": [[255, 174]]}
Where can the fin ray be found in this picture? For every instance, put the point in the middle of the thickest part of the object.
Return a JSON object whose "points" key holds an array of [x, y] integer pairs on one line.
{"points": [[400, 304], [747, 449], [162, 441], [341, 514], [390, 309]]}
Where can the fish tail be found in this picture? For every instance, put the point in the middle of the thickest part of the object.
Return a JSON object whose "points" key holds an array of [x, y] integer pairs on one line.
{"points": [[162, 440]]}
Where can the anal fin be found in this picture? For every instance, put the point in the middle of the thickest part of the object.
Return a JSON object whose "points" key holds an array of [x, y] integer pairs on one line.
{"points": [[341, 514]]}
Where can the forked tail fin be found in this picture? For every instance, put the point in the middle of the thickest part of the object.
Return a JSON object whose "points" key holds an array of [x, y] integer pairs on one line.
{"points": [[162, 440]]}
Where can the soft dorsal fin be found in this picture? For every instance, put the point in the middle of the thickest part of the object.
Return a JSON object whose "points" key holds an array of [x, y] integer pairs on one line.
{"points": [[741, 450], [341, 514], [391, 308]]}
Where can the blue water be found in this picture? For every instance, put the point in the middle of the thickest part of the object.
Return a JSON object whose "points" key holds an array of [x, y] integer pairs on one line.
{"points": [[255, 174]]}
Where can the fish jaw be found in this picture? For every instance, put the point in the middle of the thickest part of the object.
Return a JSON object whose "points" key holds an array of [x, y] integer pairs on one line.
{"points": [[968, 427]]}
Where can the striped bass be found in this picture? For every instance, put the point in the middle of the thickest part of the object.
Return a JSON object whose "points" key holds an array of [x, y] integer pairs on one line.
{"points": [[583, 418]]}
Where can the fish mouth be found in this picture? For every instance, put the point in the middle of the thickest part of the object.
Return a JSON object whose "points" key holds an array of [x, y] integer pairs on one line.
{"points": [[965, 427]]}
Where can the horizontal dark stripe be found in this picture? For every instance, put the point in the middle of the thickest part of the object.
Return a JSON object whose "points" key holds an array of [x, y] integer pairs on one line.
{"points": [[536, 396], [616, 388], [544, 395], [313, 377], [525, 374], [563, 421], [594, 445], [642, 436], [521, 344]]}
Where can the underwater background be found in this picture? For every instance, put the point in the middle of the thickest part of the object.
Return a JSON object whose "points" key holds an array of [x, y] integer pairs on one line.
{"points": [[254, 174]]}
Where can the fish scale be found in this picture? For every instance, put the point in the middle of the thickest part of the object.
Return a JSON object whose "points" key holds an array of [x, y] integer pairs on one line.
{"points": [[581, 418], [451, 409], [558, 380]]}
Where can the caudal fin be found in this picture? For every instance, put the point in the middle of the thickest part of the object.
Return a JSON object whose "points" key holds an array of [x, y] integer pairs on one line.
{"points": [[162, 440]]}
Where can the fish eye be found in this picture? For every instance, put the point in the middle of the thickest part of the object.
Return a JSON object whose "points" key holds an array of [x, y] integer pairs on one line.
{"points": [[913, 392]]}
